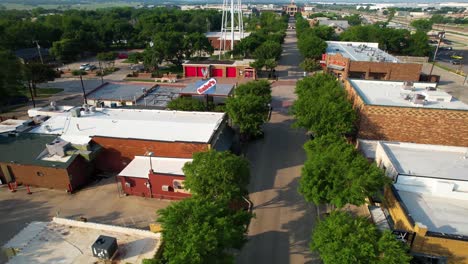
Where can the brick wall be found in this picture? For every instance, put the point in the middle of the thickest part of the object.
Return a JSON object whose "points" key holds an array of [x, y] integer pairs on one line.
{"points": [[410, 124], [138, 186], [54, 178], [118, 153]]}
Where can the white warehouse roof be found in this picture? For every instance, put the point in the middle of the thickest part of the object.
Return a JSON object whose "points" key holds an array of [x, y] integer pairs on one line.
{"points": [[157, 125], [139, 167]]}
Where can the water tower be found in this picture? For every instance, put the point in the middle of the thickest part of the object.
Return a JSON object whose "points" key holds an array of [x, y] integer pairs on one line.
{"points": [[232, 25]]}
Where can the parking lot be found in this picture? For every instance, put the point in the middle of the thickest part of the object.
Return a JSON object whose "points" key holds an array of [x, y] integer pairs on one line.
{"points": [[100, 202]]}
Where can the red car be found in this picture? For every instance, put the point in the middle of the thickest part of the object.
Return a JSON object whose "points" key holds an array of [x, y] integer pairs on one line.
{"points": [[122, 56]]}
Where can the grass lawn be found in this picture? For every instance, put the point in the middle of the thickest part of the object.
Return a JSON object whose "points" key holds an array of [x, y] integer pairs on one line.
{"points": [[42, 92]]}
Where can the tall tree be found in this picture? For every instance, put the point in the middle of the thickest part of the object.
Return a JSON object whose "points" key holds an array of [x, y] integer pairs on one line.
{"points": [[217, 175], [268, 50], [311, 46], [342, 239], [424, 25], [322, 107], [10, 75], [335, 173], [418, 44], [66, 50], [38, 73], [199, 231]]}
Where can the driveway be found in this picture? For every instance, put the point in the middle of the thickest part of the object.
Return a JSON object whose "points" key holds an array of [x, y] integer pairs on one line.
{"points": [[281, 230]]}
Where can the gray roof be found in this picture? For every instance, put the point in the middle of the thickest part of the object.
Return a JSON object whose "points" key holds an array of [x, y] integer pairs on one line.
{"points": [[220, 90], [31, 53], [119, 91], [359, 51], [335, 23], [25, 148]]}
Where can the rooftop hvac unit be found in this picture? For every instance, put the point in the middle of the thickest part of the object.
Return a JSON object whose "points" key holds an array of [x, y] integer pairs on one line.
{"points": [[419, 99], [165, 188], [408, 86], [57, 147], [431, 88], [105, 247], [75, 112]]}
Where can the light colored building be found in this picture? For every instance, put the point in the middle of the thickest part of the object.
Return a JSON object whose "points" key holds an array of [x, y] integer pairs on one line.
{"points": [[429, 195], [68, 241], [126, 133]]}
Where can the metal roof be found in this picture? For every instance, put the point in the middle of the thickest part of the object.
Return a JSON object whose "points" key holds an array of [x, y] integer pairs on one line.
{"points": [[157, 125], [359, 51], [120, 91], [221, 89]]}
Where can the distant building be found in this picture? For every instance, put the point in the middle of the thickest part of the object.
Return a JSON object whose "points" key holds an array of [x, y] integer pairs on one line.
{"points": [[338, 25], [155, 177], [215, 39], [69, 241], [291, 9], [45, 161], [363, 60], [408, 112], [33, 54], [220, 69], [126, 133], [427, 203]]}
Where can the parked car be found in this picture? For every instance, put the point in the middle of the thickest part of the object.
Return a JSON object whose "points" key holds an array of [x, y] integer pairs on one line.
{"points": [[445, 48], [456, 57], [456, 62], [84, 66], [122, 56], [137, 67], [90, 68]]}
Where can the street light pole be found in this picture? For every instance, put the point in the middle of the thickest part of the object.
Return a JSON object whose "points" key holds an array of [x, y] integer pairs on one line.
{"points": [[82, 87], [435, 54], [39, 50]]}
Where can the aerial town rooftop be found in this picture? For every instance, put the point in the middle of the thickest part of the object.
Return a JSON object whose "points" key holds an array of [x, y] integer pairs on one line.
{"points": [[360, 51]]}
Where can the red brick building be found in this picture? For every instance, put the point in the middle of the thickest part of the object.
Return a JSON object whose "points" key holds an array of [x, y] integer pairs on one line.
{"points": [[126, 133], [408, 112], [215, 39], [154, 177], [25, 159], [359, 60]]}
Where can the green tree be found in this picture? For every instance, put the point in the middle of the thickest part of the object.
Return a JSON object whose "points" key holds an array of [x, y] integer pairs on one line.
{"points": [[268, 50], [353, 20], [186, 104], [418, 45], [217, 176], [107, 58], [152, 58], [10, 75], [66, 50], [248, 109], [323, 32], [342, 239], [322, 107], [199, 231], [270, 65], [335, 173], [424, 25], [196, 44], [38, 73], [311, 46], [135, 57], [310, 65]]}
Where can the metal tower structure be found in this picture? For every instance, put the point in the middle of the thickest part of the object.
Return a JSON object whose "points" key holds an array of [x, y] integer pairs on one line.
{"points": [[232, 24]]}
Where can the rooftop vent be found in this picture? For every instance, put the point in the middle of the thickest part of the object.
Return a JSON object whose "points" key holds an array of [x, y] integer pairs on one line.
{"points": [[431, 88], [408, 86], [57, 147], [105, 247], [419, 99]]}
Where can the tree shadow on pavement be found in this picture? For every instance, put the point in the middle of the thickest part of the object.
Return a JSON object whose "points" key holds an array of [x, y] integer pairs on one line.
{"points": [[262, 254]]}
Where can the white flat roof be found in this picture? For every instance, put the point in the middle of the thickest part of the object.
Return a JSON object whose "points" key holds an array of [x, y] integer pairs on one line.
{"points": [[139, 167], [449, 216], [10, 125], [158, 125], [444, 162], [68, 241], [219, 35], [360, 51], [391, 93]]}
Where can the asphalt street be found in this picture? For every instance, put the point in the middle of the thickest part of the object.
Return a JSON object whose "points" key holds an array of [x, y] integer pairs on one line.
{"points": [[281, 230]]}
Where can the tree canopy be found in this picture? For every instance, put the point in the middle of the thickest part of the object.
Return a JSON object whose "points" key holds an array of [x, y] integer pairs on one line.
{"points": [[342, 239], [217, 176], [248, 108], [322, 107], [335, 173], [186, 104], [311, 46], [424, 25], [10, 75], [199, 231]]}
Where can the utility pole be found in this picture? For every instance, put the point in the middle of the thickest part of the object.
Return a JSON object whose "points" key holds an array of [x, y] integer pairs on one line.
{"points": [[102, 73], [32, 96], [435, 53], [39, 50], [82, 87]]}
